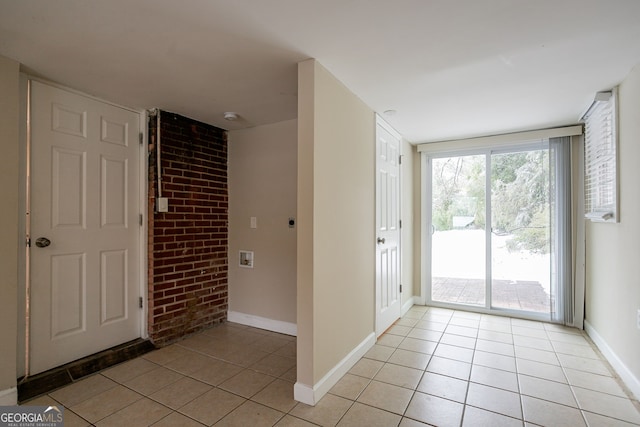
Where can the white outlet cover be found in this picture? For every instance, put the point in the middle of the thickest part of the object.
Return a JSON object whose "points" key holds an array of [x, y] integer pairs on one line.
{"points": [[163, 204]]}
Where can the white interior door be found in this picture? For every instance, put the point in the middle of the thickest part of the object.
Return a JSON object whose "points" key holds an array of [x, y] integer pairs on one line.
{"points": [[388, 301], [85, 202]]}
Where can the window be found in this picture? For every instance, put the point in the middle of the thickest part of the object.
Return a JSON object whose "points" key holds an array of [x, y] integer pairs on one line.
{"points": [[601, 192]]}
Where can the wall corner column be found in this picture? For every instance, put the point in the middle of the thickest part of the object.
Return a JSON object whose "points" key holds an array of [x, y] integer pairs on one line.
{"points": [[9, 227]]}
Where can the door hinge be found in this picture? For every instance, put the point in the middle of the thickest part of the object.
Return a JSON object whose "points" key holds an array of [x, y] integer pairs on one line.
{"points": [[140, 220], [28, 242], [400, 288], [399, 160], [400, 223], [140, 302], [140, 138]]}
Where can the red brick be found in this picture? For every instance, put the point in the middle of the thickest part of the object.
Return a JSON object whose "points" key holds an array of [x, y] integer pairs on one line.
{"points": [[192, 236]]}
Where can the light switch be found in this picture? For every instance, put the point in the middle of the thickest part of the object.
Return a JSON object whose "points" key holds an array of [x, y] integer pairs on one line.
{"points": [[254, 222]]}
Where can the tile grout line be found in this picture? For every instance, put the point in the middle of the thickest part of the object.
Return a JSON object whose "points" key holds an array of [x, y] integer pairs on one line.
{"points": [[414, 390], [515, 359], [424, 371], [184, 375], [564, 372], [466, 395]]}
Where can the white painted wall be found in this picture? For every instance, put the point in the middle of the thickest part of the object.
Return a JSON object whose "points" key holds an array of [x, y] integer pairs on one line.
{"points": [[262, 184], [9, 225], [304, 251], [336, 229], [613, 251]]}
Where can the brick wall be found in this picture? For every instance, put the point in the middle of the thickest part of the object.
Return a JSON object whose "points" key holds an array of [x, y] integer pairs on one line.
{"points": [[188, 259]]}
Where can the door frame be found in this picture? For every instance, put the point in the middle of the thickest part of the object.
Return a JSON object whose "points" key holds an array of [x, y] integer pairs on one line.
{"points": [[23, 232], [466, 146], [381, 122], [427, 241]]}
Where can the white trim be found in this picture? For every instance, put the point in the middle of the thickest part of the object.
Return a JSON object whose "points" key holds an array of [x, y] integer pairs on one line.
{"points": [[143, 236], [263, 323], [78, 92], [9, 397], [407, 305], [400, 198], [618, 365], [419, 300], [22, 254], [425, 229], [380, 121], [304, 393], [497, 141], [311, 395], [579, 236], [488, 238]]}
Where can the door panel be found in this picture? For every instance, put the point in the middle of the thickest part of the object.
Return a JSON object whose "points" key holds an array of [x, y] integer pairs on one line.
{"points": [[521, 225], [68, 192], [113, 200], [114, 285], [458, 241], [69, 120], [68, 290], [388, 300], [85, 200]]}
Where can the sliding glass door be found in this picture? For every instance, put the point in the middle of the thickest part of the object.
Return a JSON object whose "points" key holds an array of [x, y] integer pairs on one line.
{"points": [[521, 231], [458, 237], [491, 243]]}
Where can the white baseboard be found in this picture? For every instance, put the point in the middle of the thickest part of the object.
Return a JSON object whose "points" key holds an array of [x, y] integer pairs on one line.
{"points": [[419, 301], [410, 303], [312, 394], [304, 393], [621, 369], [9, 397], [263, 323]]}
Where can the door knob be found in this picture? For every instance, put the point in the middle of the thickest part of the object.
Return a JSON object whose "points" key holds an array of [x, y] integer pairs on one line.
{"points": [[381, 240], [42, 242]]}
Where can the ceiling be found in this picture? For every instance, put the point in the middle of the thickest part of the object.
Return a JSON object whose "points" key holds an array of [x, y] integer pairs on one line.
{"points": [[450, 69]]}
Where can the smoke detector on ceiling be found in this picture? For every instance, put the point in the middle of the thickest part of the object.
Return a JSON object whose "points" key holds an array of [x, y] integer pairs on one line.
{"points": [[231, 116]]}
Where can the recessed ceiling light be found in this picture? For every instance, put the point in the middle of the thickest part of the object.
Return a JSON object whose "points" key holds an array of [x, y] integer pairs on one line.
{"points": [[390, 113]]}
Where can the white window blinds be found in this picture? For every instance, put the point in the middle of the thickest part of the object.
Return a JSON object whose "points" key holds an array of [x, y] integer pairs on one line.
{"points": [[601, 194]]}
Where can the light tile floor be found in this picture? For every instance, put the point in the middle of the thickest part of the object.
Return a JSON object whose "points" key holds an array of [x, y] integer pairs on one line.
{"points": [[433, 367]]}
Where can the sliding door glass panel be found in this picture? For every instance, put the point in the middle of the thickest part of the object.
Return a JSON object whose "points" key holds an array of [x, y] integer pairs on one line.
{"points": [[458, 239], [521, 231]]}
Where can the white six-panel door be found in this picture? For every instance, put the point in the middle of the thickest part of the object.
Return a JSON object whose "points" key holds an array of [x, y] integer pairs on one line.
{"points": [[85, 202], [388, 300]]}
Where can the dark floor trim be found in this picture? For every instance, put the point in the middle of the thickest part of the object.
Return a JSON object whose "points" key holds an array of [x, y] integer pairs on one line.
{"points": [[66, 374]]}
